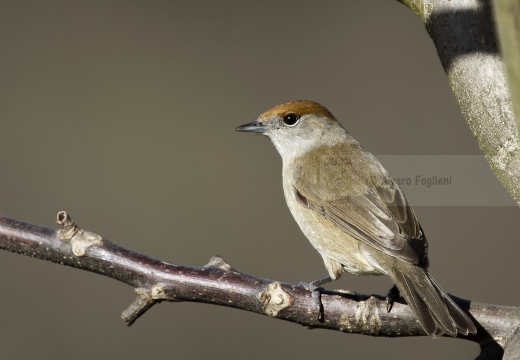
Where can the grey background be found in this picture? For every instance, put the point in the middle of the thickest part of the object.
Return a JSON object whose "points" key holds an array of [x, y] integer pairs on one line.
{"points": [[122, 113]]}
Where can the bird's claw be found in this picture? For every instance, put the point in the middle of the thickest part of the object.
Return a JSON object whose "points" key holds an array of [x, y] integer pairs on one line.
{"points": [[392, 295], [316, 295]]}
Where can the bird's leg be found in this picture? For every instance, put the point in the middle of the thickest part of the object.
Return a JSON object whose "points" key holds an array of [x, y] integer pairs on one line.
{"points": [[392, 295], [315, 288]]}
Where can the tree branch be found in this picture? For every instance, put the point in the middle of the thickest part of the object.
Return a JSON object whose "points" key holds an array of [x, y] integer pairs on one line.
{"points": [[507, 13], [463, 32], [218, 283], [512, 346]]}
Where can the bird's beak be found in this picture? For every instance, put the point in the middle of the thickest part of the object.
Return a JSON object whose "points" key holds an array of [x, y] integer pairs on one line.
{"points": [[255, 126]]}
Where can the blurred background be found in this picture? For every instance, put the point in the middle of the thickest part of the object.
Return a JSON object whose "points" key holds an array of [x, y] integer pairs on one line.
{"points": [[122, 113]]}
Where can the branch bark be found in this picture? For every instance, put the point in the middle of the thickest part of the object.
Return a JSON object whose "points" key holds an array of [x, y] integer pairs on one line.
{"points": [[507, 15], [463, 32], [218, 283], [512, 346]]}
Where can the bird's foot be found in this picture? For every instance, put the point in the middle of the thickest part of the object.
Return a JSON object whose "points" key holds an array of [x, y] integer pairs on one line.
{"points": [[392, 295], [315, 288], [316, 295]]}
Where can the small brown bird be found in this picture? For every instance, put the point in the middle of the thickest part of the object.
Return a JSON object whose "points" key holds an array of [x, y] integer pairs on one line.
{"points": [[353, 212]]}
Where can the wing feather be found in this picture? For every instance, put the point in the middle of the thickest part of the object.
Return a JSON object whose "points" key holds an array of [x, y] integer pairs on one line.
{"points": [[375, 212]]}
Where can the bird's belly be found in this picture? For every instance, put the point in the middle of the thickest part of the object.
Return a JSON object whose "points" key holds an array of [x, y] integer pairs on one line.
{"points": [[330, 241]]}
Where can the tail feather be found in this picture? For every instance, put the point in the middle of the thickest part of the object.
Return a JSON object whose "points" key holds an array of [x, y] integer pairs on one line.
{"points": [[435, 310], [464, 324]]}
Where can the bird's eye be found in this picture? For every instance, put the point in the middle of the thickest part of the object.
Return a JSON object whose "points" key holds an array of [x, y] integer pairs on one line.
{"points": [[291, 119]]}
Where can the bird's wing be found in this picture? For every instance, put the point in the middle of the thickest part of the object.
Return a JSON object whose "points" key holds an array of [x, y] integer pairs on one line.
{"points": [[377, 214]]}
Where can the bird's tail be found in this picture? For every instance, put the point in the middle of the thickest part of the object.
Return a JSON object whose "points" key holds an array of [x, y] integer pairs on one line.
{"points": [[435, 310]]}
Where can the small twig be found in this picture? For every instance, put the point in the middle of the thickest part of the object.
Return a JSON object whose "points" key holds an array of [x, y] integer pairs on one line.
{"points": [[140, 305], [218, 283]]}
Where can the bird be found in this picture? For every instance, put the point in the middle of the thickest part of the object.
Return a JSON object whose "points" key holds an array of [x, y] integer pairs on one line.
{"points": [[353, 212]]}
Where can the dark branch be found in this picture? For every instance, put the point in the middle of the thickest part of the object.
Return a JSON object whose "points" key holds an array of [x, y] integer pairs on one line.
{"points": [[218, 283]]}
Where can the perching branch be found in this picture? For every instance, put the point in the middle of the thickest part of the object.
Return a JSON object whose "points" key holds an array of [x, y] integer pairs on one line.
{"points": [[218, 283]]}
